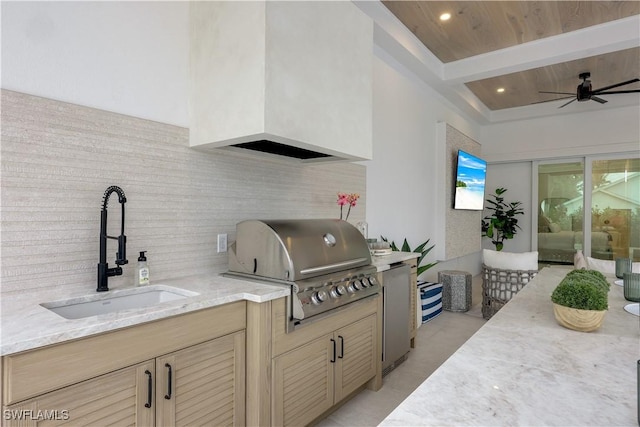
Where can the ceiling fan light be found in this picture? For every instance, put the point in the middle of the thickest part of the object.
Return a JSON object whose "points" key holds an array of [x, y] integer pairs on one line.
{"points": [[445, 16], [500, 90]]}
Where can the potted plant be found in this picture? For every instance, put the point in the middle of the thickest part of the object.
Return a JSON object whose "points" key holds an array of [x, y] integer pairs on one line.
{"points": [[580, 300], [503, 223], [421, 249]]}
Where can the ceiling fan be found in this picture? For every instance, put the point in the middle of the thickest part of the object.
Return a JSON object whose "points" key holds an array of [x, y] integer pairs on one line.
{"points": [[584, 92]]}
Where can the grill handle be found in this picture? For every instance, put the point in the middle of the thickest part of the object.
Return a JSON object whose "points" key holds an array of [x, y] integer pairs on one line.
{"points": [[338, 265]]}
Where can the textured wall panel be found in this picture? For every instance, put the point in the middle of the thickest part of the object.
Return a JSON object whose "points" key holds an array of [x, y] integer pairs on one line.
{"points": [[58, 158], [463, 228]]}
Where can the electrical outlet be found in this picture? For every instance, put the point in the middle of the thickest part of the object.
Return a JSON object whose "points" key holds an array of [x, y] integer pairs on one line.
{"points": [[222, 242]]}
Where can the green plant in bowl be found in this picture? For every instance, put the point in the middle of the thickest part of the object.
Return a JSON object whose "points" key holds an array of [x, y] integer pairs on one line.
{"points": [[581, 300]]}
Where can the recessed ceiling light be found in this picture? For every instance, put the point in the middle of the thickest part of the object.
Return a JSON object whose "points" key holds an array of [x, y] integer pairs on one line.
{"points": [[500, 90], [445, 16]]}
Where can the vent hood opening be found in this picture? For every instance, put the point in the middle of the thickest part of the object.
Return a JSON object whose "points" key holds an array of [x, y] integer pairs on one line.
{"points": [[271, 147]]}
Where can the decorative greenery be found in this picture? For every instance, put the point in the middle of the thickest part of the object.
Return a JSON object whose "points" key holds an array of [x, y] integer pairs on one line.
{"points": [[502, 224], [461, 183], [582, 289], [592, 276], [419, 249]]}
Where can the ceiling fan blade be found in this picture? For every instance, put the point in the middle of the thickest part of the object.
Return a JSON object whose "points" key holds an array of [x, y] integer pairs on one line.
{"points": [[551, 100], [619, 91], [615, 85], [600, 100], [558, 93], [564, 105]]}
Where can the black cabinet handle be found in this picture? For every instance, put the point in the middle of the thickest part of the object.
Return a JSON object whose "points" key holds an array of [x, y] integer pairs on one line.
{"points": [[341, 347], [170, 374], [150, 389], [333, 360]]}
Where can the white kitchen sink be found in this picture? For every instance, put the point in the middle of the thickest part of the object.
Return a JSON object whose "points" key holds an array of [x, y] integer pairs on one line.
{"points": [[127, 299]]}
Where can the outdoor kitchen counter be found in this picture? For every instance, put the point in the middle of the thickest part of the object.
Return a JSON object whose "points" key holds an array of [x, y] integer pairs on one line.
{"points": [[384, 262], [26, 325], [522, 368]]}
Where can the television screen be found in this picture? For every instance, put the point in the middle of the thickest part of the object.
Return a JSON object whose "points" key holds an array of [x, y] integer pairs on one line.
{"points": [[471, 173]]}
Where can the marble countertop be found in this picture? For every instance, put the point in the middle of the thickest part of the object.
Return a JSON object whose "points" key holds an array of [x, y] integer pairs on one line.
{"points": [[26, 325], [383, 262], [522, 368]]}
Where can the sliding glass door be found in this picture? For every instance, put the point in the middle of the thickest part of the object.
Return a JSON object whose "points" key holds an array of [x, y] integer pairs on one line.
{"points": [[560, 215], [609, 188], [615, 208]]}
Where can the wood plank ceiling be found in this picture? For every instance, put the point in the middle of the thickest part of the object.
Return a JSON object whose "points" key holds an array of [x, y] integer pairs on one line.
{"points": [[479, 27]]}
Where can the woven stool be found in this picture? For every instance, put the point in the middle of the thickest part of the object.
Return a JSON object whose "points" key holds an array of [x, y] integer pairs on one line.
{"points": [[456, 290]]}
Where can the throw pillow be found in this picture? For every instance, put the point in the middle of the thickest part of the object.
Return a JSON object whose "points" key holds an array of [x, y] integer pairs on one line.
{"points": [[579, 261], [608, 266], [510, 260]]}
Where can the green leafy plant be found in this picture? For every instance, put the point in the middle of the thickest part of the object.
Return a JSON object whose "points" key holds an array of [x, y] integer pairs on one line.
{"points": [[584, 291], [503, 223], [422, 249], [592, 276]]}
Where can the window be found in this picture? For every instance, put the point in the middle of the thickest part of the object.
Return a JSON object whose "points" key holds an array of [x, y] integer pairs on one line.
{"points": [[611, 189]]}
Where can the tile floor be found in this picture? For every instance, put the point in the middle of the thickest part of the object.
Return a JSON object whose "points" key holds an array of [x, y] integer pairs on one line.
{"points": [[436, 340]]}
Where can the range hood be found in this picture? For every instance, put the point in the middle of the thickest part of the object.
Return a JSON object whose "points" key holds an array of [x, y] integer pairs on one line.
{"points": [[292, 79]]}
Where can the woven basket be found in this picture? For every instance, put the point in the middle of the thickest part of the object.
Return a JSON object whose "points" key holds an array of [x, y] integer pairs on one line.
{"points": [[578, 320], [499, 286]]}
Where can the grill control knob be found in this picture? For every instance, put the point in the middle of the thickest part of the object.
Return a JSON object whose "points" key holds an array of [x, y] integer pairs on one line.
{"points": [[372, 281], [318, 297], [337, 291], [356, 285], [352, 288], [364, 282]]}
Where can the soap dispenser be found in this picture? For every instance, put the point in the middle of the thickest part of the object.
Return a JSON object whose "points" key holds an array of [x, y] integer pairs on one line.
{"points": [[143, 270]]}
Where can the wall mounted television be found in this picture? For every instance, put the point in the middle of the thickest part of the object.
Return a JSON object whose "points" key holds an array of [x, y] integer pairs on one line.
{"points": [[471, 174]]}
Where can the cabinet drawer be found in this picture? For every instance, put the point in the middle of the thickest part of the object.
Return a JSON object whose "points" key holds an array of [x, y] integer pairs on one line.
{"points": [[38, 371]]}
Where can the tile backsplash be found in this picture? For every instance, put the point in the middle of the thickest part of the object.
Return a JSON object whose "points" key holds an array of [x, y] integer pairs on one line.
{"points": [[58, 159]]}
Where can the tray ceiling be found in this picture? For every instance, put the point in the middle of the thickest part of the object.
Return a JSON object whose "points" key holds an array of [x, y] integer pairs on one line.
{"points": [[480, 32]]}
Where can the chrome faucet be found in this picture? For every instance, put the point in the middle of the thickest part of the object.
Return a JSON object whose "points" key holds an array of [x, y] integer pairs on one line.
{"points": [[104, 272]]}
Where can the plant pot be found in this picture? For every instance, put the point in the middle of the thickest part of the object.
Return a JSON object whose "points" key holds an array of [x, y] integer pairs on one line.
{"points": [[578, 320]]}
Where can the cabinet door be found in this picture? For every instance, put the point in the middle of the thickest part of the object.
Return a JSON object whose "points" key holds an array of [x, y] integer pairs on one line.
{"points": [[356, 360], [203, 384], [303, 382], [114, 399]]}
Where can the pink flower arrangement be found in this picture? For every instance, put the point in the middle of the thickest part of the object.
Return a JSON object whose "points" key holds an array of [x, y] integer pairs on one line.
{"points": [[347, 199]]}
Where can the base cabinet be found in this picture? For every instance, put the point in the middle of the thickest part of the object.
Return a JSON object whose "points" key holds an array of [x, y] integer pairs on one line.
{"points": [[200, 385], [310, 379], [181, 371]]}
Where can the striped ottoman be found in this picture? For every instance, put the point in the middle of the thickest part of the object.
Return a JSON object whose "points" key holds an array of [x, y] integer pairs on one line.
{"points": [[430, 300]]}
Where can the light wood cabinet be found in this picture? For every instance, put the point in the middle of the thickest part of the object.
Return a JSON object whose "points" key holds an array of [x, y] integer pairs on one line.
{"points": [[203, 384], [117, 398], [194, 373], [413, 300], [309, 380]]}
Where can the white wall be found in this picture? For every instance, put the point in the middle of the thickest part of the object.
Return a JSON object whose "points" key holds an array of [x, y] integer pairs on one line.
{"points": [[595, 132], [516, 178], [402, 178], [126, 57]]}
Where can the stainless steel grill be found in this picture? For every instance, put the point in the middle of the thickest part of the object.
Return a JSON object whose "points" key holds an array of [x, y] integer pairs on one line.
{"points": [[325, 262]]}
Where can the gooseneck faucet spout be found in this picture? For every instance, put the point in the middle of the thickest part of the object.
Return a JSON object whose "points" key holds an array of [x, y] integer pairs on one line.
{"points": [[104, 272]]}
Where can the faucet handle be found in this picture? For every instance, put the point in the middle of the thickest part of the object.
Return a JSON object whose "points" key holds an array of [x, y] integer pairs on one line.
{"points": [[121, 255]]}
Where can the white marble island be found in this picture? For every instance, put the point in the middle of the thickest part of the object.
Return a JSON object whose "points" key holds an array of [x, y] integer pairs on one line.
{"points": [[523, 369]]}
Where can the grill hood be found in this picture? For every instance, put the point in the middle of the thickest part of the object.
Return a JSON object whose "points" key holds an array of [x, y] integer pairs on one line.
{"points": [[293, 250]]}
